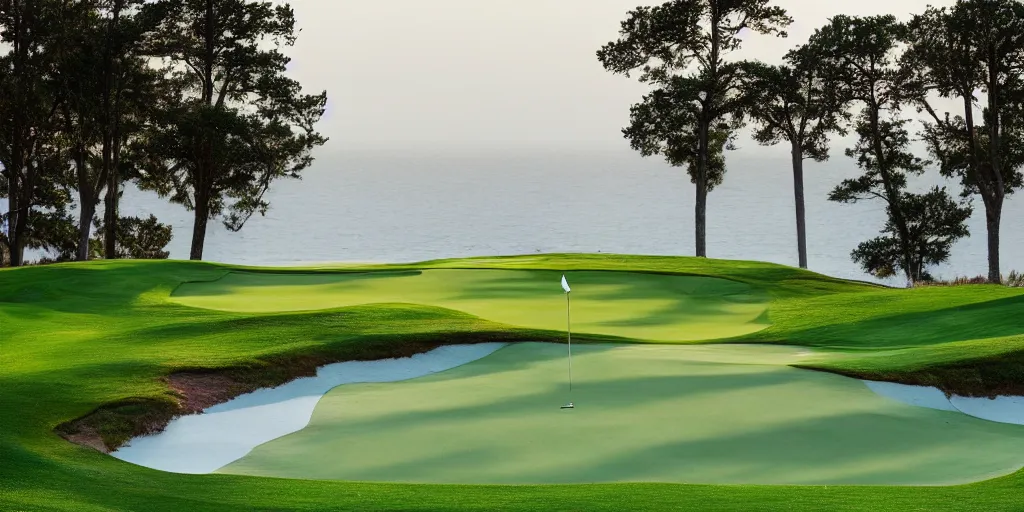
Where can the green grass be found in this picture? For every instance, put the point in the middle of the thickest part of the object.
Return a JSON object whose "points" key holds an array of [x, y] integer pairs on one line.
{"points": [[630, 305], [688, 414], [76, 337]]}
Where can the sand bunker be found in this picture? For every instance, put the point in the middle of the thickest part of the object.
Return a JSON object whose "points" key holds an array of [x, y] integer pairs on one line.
{"points": [[203, 443], [1002, 409]]}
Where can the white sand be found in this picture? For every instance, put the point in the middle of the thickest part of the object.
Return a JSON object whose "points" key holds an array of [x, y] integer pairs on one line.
{"points": [[1002, 409], [921, 396], [224, 433]]}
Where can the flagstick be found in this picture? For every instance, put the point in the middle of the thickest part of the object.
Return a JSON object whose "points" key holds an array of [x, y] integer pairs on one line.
{"points": [[568, 330]]}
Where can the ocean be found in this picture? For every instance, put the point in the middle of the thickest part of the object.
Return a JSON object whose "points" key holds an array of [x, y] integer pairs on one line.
{"points": [[414, 205]]}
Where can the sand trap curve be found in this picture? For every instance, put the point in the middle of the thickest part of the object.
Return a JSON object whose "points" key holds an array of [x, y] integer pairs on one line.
{"points": [[1002, 409], [688, 414], [203, 443]]}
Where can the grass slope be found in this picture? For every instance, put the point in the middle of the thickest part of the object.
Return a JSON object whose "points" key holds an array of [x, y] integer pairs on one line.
{"points": [[77, 336]]}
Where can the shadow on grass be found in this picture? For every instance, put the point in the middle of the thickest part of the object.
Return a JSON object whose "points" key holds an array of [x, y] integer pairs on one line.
{"points": [[238, 280], [989, 319], [99, 287], [621, 392], [841, 449], [847, 448], [690, 298]]}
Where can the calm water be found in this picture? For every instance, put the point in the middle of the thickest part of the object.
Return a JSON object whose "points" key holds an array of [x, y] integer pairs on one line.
{"points": [[400, 207]]}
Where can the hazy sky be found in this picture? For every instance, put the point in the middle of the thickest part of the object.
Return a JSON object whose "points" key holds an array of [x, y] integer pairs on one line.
{"points": [[492, 73]]}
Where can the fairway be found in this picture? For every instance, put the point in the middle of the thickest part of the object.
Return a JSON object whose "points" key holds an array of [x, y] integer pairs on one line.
{"points": [[690, 414], [626, 304]]}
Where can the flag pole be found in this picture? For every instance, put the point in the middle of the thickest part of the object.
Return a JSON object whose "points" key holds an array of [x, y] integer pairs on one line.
{"points": [[568, 331]]}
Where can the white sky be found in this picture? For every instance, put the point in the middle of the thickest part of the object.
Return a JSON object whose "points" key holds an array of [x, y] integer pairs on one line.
{"points": [[492, 73]]}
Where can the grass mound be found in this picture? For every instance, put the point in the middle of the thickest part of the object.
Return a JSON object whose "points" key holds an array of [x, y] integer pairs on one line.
{"points": [[624, 304]]}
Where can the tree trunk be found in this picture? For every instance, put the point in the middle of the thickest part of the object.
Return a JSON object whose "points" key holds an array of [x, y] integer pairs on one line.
{"points": [[14, 198], [893, 196], [700, 220], [994, 212], [14, 206], [798, 196], [111, 132], [109, 208], [17, 246], [87, 202], [708, 112], [204, 168], [202, 215], [993, 215], [12, 215], [12, 235], [701, 204], [110, 214], [88, 210], [27, 187]]}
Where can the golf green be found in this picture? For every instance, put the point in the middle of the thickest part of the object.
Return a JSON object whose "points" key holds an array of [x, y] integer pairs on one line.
{"points": [[627, 304], [725, 414]]}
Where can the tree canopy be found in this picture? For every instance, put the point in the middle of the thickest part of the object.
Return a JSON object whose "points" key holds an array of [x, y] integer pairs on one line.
{"points": [[235, 122], [797, 103], [680, 48], [975, 46]]}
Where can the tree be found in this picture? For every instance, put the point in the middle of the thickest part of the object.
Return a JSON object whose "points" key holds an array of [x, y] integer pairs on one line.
{"points": [[127, 93], [664, 124], [931, 222], [99, 71], [795, 102], [137, 238], [235, 123], [75, 59], [976, 45], [55, 233], [935, 223], [862, 54], [665, 42], [50, 225], [29, 105]]}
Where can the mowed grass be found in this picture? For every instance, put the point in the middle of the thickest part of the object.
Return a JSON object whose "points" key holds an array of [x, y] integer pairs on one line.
{"points": [[687, 414], [75, 337], [623, 304]]}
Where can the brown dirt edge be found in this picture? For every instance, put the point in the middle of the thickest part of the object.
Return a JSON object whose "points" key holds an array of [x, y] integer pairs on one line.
{"points": [[190, 391], [981, 378]]}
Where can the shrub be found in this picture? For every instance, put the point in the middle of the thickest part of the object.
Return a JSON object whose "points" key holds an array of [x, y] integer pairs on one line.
{"points": [[1015, 279]]}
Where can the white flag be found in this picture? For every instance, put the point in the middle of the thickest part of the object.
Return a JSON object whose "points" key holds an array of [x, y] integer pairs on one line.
{"points": [[565, 284]]}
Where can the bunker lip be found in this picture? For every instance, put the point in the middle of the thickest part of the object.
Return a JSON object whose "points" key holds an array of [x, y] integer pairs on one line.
{"points": [[201, 390], [112, 425], [988, 377], [202, 443]]}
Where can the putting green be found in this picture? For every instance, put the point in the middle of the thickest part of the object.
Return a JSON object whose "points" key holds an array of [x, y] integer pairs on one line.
{"points": [[697, 414], [628, 304]]}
